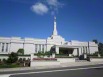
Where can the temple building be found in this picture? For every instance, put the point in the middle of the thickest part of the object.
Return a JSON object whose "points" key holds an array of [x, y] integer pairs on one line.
{"points": [[53, 43]]}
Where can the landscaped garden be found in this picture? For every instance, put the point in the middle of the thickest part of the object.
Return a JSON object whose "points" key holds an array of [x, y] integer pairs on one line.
{"points": [[14, 61]]}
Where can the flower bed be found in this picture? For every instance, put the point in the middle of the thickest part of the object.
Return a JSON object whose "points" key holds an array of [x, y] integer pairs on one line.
{"points": [[44, 59]]}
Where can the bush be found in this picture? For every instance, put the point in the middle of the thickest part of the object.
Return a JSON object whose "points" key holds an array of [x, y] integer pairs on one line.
{"points": [[20, 52], [24, 59], [13, 57], [41, 53], [4, 60], [20, 60], [48, 53], [0, 61], [95, 54]]}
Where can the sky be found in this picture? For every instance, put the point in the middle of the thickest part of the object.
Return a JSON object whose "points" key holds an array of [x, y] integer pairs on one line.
{"points": [[76, 19]]}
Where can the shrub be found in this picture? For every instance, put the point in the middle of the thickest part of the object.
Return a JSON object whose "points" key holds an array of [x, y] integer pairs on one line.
{"points": [[20, 60], [40, 53], [24, 59], [20, 52], [13, 57], [0, 61], [95, 54], [4, 60], [48, 53]]}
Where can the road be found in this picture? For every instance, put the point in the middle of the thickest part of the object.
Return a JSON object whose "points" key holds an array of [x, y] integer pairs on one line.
{"points": [[95, 72], [86, 71], [80, 71]]}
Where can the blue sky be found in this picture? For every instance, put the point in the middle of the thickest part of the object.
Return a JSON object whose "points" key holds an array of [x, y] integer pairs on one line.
{"points": [[76, 19]]}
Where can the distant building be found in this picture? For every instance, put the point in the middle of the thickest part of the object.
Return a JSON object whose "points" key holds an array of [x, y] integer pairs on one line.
{"points": [[53, 43]]}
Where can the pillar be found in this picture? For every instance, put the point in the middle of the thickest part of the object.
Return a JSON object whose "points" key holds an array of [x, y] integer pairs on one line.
{"points": [[41, 48], [4, 47], [77, 51], [81, 50], [0, 47], [57, 50], [37, 48], [44, 47]]}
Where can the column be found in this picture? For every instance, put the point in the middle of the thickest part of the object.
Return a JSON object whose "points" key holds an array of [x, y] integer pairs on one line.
{"points": [[0, 47], [57, 50], [88, 50], [81, 50], [4, 47], [37, 48], [41, 47], [44, 47], [34, 48], [8, 47], [77, 52], [85, 50]]}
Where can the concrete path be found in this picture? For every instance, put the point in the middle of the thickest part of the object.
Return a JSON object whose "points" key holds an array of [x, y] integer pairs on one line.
{"points": [[80, 64]]}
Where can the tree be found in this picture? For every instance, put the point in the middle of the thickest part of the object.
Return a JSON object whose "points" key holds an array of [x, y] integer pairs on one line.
{"points": [[100, 48], [20, 52], [95, 41], [13, 57]]}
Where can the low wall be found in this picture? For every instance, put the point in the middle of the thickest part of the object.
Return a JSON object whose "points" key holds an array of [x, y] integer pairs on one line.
{"points": [[65, 60], [44, 63], [3, 57], [96, 59]]}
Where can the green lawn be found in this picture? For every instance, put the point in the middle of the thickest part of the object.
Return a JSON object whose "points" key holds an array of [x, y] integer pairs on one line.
{"points": [[9, 65]]}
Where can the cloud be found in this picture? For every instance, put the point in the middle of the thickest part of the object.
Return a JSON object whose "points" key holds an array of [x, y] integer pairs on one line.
{"points": [[44, 6], [54, 6], [39, 8], [53, 2]]}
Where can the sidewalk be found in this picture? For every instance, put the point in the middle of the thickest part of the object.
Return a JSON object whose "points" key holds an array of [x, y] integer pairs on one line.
{"points": [[80, 64], [72, 64]]}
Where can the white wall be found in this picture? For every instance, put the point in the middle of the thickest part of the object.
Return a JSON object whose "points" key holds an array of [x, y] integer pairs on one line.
{"points": [[29, 48], [49, 47], [16, 43], [75, 52], [93, 49], [15, 46]]}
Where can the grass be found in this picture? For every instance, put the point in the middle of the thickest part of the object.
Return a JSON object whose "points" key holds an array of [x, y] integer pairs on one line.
{"points": [[9, 65]]}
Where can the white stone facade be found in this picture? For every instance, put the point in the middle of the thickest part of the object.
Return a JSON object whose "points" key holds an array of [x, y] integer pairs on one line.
{"points": [[33, 45]]}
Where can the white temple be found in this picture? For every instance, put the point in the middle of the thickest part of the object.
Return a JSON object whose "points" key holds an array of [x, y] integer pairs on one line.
{"points": [[53, 43]]}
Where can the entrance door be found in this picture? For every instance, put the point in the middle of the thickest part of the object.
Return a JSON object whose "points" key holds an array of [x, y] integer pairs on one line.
{"points": [[65, 51]]}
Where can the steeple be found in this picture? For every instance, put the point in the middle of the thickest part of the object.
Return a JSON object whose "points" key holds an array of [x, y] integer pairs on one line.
{"points": [[55, 30]]}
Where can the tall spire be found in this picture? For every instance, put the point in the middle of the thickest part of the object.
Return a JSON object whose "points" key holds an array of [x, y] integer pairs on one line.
{"points": [[55, 30]]}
